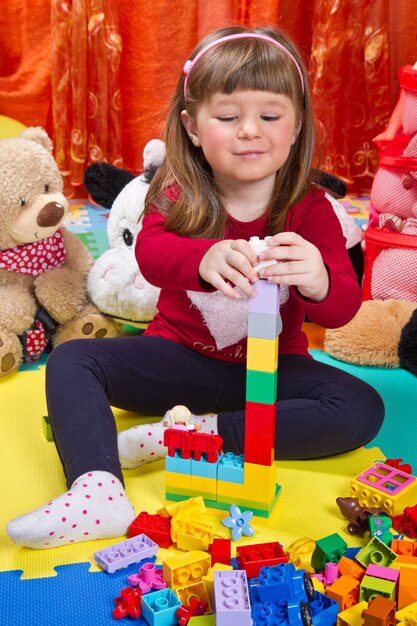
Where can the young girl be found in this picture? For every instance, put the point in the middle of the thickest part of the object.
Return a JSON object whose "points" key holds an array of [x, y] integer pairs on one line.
{"points": [[239, 140]]}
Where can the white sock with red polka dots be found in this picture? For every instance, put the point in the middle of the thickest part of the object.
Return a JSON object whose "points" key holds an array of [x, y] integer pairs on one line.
{"points": [[96, 507], [143, 443]]}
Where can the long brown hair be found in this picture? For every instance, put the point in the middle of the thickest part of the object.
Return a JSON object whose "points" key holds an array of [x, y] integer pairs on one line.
{"points": [[240, 64]]}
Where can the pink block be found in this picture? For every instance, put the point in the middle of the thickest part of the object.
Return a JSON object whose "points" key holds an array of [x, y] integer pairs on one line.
{"points": [[379, 571]]}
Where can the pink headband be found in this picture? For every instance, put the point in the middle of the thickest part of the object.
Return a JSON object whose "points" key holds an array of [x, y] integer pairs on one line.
{"points": [[188, 66]]}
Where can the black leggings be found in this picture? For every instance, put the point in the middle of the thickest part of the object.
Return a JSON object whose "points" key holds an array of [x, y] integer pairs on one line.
{"points": [[321, 410]]}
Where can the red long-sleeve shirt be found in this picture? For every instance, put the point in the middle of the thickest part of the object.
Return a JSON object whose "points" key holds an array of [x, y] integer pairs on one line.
{"points": [[170, 261]]}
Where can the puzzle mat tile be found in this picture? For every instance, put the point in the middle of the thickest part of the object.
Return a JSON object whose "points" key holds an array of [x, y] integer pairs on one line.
{"points": [[31, 474]]}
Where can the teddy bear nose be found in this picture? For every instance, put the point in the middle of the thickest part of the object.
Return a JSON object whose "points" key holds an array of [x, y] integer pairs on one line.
{"points": [[51, 214]]}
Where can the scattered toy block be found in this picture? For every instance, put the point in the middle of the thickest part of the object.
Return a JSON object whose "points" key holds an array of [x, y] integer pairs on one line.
{"points": [[125, 553]]}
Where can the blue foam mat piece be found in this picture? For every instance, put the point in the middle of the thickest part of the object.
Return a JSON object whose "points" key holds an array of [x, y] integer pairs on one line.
{"points": [[398, 389], [75, 596]]}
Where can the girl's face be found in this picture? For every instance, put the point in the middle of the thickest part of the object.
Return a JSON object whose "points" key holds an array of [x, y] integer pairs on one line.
{"points": [[245, 136]]}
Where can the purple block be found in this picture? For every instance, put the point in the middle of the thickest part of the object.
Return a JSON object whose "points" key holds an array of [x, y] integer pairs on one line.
{"points": [[125, 553], [266, 299], [231, 598]]}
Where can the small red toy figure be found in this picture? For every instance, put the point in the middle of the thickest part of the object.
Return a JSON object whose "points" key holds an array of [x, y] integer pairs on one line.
{"points": [[195, 608], [399, 465], [128, 603]]}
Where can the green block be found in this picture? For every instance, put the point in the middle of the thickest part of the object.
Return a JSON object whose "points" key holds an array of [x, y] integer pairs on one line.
{"points": [[46, 427], [202, 620], [372, 586], [261, 386], [376, 552], [329, 549]]}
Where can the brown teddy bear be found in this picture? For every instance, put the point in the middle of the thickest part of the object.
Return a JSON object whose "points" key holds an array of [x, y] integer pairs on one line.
{"points": [[383, 333], [43, 267]]}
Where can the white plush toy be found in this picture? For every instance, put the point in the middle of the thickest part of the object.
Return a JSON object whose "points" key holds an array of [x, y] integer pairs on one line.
{"points": [[115, 283]]}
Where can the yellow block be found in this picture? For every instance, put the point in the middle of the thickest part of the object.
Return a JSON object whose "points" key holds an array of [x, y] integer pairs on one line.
{"points": [[186, 569], [260, 475], [262, 355], [205, 486], [407, 616], [369, 496], [352, 616], [180, 481], [247, 493]]}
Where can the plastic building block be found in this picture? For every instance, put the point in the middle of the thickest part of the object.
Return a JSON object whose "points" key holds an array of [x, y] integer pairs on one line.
{"points": [[407, 590], [266, 300], [196, 590], [371, 586], [262, 354], [192, 444], [323, 609], [379, 526], [159, 608], [261, 387], [330, 574], [407, 616], [280, 613], [398, 464], [125, 553], [128, 604], [207, 487], [352, 616], [186, 568], [328, 549], [379, 571], [300, 553], [178, 464], [46, 426], [345, 591], [259, 449], [260, 417], [403, 546], [380, 612], [230, 468], [386, 487], [204, 469], [264, 325], [156, 527], [349, 567], [148, 578], [254, 556], [377, 552], [284, 582], [195, 608], [178, 481], [219, 551], [406, 522], [238, 522], [193, 535], [209, 579], [231, 598], [203, 620]]}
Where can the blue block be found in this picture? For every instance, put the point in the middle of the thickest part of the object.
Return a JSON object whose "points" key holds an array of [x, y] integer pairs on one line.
{"points": [[230, 468], [159, 608], [324, 610], [204, 469], [177, 464], [281, 582]]}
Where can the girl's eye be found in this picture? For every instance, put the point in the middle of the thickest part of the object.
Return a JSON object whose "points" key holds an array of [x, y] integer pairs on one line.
{"points": [[228, 118], [270, 118]]}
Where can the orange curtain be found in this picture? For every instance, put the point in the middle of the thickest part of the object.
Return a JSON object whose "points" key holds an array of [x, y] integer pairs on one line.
{"points": [[62, 66], [86, 103]]}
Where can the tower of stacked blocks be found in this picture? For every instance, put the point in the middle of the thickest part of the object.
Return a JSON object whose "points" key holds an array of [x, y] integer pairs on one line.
{"points": [[195, 465]]}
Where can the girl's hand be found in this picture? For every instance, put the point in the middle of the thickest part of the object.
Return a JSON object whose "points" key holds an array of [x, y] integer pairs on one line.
{"points": [[230, 261], [298, 263]]}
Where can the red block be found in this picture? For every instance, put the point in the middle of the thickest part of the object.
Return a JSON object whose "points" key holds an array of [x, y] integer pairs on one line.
{"points": [[259, 449], [261, 418], [254, 556], [156, 527], [219, 551]]}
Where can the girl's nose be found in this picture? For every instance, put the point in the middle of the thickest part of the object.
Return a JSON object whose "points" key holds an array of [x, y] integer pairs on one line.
{"points": [[249, 129]]}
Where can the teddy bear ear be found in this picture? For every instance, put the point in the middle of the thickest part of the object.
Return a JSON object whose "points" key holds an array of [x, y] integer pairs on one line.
{"points": [[39, 135]]}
